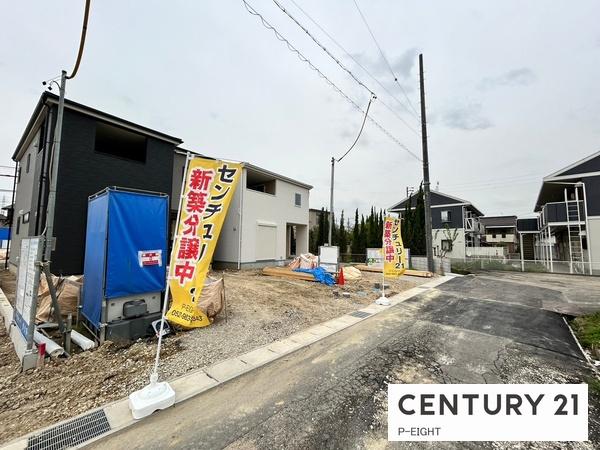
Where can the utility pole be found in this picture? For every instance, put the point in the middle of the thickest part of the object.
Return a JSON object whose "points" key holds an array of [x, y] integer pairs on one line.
{"points": [[426, 190], [54, 174], [329, 237]]}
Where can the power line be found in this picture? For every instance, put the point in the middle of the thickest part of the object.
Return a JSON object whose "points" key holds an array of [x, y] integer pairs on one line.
{"points": [[82, 40], [304, 59], [364, 19], [359, 132], [337, 61], [358, 63]]}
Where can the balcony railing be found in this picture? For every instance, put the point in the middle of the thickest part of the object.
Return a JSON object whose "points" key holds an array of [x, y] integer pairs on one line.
{"points": [[556, 212]]}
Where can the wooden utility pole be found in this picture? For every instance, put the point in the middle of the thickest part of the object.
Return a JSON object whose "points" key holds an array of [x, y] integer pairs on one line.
{"points": [[426, 190]]}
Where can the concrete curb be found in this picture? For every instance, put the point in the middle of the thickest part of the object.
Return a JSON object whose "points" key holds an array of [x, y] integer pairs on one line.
{"points": [[196, 382]]}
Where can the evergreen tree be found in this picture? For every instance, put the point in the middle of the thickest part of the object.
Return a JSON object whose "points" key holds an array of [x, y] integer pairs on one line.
{"points": [[407, 224], [355, 234], [362, 238], [342, 238], [321, 230]]}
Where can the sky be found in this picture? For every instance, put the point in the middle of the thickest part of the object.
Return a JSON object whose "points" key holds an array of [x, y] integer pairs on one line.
{"points": [[511, 87]]}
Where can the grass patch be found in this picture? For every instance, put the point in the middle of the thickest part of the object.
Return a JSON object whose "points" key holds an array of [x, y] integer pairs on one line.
{"points": [[587, 329]]}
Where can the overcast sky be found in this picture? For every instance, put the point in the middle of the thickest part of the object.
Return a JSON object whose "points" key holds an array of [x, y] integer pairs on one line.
{"points": [[512, 87]]}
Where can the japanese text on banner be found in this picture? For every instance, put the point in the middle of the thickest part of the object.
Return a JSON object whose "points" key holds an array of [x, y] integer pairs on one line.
{"points": [[394, 257], [209, 188]]}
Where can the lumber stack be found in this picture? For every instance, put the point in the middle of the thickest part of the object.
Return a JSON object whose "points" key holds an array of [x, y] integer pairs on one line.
{"points": [[284, 272], [411, 272]]}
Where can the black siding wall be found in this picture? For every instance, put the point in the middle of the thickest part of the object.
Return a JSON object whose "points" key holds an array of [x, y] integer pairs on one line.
{"points": [[83, 172], [592, 192], [456, 217]]}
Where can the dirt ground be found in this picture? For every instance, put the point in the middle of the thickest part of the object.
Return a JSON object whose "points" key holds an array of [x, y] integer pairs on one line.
{"points": [[260, 310]]}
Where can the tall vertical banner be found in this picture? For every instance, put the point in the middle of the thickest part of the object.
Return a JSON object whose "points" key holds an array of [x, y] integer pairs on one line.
{"points": [[394, 256], [209, 188]]}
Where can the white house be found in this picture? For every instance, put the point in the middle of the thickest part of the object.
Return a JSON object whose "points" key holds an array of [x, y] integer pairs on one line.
{"points": [[269, 209]]}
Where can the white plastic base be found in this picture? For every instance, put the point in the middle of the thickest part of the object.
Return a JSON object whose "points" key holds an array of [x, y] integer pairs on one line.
{"points": [[150, 398], [383, 301]]}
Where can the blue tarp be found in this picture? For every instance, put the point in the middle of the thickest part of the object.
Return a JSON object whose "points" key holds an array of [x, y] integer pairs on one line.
{"points": [[136, 222], [95, 257], [120, 225], [4, 231], [320, 274]]}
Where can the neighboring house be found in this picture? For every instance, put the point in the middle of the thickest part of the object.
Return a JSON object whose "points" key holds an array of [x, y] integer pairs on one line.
{"points": [[313, 217], [568, 233], [270, 209], [501, 231], [100, 150], [454, 222], [97, 150]]}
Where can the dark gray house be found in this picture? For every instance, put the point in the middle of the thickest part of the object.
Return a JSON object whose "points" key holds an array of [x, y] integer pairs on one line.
{"points": [[97, 150], [454, 222], [568, 232]]}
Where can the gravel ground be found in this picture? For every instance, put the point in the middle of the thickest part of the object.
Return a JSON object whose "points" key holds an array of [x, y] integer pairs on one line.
{"points": [[260, 310]]}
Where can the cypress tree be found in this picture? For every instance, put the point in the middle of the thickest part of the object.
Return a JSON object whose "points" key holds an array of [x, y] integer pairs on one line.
{"points": [[342, 240], [419, 225]]}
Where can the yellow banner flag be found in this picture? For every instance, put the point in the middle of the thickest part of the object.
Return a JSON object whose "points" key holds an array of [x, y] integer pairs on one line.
{"points": [[394, 257], [208, 190]]}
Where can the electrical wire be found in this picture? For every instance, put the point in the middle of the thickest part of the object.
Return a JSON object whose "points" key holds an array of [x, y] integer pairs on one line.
{"points": [[339, 63], [364, 19], [304, 59], [360, 131], [82, 40]]}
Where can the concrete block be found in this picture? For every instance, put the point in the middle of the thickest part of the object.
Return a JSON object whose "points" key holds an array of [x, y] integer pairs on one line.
{"points": [[191, 384], [118, 414], [304, 337], [259, 356], [284, 346], [227, 369], [321, 331], [337, 324]]}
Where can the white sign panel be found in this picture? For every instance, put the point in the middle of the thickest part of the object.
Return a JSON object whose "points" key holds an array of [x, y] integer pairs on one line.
{"points": [[375, 258], [27, 281], [488, 412]]}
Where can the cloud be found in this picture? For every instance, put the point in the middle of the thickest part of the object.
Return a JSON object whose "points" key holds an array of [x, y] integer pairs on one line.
{"points": [[402, 66], [466, 117], [516, 77]]}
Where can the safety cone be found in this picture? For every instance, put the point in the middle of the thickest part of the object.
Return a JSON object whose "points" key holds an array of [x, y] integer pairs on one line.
{"points": [[341, 280]]}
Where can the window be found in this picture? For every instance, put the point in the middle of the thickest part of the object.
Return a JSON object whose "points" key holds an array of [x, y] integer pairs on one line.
{"points": [[19, 175], [115, 141], [298, 199], [18, 225], [28, 163], [446, 245], [503, 235], [26, 217], [493, 235], [446, 216]]}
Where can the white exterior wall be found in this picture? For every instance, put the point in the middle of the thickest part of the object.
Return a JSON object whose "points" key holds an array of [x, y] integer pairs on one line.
{"points": [[262, 209], [594, 242], [510, 238], [266, 210], [458, 247]]}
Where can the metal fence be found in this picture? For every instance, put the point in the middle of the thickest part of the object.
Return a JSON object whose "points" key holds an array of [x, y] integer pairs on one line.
{"points": [[470, 265]]}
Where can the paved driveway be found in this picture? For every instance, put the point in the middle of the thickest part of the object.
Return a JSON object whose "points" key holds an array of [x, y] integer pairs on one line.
{"points": [[332, 394]]}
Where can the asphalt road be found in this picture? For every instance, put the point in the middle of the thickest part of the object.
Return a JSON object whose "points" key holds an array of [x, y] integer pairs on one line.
{"points": [[332, 394]]}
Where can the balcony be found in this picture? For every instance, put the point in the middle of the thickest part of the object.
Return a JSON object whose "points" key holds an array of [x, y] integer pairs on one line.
{"points": [[472, 225], [556, 212]]}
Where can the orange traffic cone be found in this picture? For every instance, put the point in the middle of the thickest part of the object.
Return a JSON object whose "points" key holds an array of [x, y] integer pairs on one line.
{"points": [[341, 280]]}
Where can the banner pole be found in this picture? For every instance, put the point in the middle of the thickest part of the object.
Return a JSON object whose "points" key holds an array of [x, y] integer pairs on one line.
{"points": [[154, 374]]}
